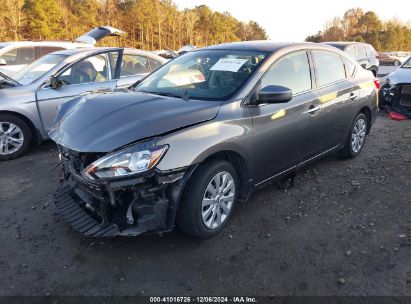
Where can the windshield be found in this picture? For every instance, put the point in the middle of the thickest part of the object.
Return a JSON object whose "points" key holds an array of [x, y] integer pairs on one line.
{"points": [[38, 68], [205, 75], [407, 64]]}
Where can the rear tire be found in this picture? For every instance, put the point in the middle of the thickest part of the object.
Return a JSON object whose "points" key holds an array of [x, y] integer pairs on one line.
{"points": [[397, 63], [15, 137], [199, 209], [356, 137]]}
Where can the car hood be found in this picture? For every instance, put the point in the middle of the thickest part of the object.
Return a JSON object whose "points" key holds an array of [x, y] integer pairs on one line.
{"points": [[402, 75], [105, 122]]}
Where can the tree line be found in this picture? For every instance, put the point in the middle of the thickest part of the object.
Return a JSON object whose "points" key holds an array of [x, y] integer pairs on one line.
{"points": [[357, 25], [149, 24]]}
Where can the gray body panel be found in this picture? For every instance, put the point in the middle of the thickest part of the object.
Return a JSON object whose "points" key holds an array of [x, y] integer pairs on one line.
{"points": [[270, 138]]}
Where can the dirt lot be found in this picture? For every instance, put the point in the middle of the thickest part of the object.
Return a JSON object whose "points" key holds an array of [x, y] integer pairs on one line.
{"points": [[344, 229]]}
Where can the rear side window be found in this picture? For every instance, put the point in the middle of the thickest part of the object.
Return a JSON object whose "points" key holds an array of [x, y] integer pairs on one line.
{"points": [[349, 66], [23, 55], [44, 50], [134, 64], [351, 51], [329, 67], [154, 64], [291, 71], [361, 52]]}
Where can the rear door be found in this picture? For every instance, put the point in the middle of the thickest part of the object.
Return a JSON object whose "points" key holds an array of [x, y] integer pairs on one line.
{"points": [[88, 74], [338, 95]]}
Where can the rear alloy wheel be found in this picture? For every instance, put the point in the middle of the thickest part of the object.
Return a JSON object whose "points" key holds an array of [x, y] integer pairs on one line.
{"points": [[208, 200], [356, 138], [15, 137]]}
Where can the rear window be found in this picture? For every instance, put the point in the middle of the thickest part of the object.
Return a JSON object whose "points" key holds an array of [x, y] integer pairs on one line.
{"points": [[351, 51], [329, 67], [19, 56]]}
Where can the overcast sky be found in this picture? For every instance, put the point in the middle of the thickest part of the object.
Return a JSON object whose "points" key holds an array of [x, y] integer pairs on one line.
{"points": [[293, 20]]}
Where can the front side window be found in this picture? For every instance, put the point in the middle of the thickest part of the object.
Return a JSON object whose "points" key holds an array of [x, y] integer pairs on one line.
{"points": [[205, 75], [291, 71], [38, 68], [407, 64], [134, 64], [329, 67], [19, 56], [88, 70]]}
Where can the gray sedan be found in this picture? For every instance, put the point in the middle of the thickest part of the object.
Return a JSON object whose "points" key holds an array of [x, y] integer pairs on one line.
{"points": [[29, 100]]}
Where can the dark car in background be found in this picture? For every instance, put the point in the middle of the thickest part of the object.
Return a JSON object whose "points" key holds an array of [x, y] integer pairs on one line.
{"points": [[364, 53], [204, 131]]}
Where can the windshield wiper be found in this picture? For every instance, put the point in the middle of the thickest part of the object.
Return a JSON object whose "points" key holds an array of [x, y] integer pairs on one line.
{"points": [[184, 96], [15, 82]]}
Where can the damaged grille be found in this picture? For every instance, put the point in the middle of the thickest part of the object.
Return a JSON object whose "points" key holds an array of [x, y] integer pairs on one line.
{"points": [[405, 100], [78, 161]]}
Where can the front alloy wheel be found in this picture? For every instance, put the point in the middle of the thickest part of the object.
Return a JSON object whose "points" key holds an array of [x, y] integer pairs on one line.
{"points": [[15, 137], [11, 138], [218, 200], [208, 200]]}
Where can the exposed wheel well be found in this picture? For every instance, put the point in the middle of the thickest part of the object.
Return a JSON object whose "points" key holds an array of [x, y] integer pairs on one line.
{"points": [[33, 129], [367, 112], [240, 166]]}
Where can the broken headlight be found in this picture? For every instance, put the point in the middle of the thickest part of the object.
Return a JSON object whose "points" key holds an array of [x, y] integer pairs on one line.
{"points": [[129, 161]]}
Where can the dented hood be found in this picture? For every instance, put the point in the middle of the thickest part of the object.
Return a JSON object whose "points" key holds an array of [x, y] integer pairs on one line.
{"points": [[105, 122]]}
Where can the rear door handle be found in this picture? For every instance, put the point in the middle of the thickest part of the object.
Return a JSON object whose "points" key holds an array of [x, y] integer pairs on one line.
{"points": [[353, 96], [312, 109]]}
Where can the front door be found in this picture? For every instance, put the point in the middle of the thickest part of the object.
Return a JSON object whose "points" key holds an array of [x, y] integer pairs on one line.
{"points": [[286, 134], [88, 74]]}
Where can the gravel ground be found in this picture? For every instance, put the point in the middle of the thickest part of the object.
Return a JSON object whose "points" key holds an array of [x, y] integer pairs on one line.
{"points": [[343, 229]]}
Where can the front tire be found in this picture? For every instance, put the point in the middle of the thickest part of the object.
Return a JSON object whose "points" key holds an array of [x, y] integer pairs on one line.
{"points": [[15, 137], [208, 200], [356, 137], [397, 63]]}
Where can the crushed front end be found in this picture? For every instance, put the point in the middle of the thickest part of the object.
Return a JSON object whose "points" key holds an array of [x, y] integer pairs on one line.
{"points": [[128, 206], [397, 97]]}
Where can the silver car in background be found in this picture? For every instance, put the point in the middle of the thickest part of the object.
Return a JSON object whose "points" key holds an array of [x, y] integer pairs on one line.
{"points": [[15, 55], [29, 100]]}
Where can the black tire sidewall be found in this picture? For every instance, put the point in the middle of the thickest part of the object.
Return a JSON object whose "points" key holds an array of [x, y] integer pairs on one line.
{"points": [[26, 133], [190, 214]]}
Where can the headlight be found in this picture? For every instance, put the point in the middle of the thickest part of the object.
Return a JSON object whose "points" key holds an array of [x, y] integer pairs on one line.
{"points": [[132, 160]]}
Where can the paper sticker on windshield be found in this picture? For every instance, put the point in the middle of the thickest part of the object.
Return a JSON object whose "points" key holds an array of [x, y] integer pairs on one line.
{"points": [[228, 64]]}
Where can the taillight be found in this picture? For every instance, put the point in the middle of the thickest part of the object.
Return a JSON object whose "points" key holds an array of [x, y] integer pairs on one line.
{"points": [[377, 83]]}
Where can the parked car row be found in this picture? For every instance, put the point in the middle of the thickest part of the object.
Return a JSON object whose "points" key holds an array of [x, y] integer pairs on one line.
{"points": [[394, 58]]}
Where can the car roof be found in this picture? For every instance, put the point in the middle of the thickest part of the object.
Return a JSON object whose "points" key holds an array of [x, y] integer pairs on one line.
{"points": [[257, 45]]}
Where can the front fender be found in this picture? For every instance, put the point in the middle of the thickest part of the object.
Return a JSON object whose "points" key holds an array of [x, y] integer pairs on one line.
{"points": [[193, 145]]}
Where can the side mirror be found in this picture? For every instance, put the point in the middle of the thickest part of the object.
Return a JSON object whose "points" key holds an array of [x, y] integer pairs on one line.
{"points": [[274, 94], [54, 83], [3, 62]]}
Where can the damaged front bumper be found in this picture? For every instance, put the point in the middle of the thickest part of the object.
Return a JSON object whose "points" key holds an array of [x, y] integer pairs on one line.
{"points": [[397, 97], [142, 204]]}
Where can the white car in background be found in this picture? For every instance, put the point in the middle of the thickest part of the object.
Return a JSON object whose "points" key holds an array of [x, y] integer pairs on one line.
{"points": [[16, 55], [400, 56]]}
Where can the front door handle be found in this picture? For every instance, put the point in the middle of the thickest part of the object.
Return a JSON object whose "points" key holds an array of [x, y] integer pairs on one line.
{"points": [[312, 109], [353, 96]]}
